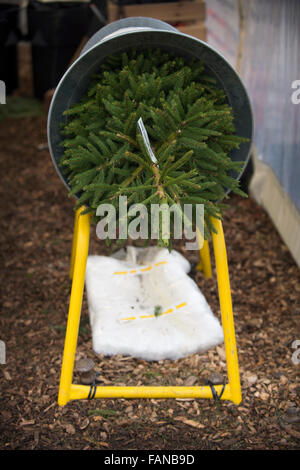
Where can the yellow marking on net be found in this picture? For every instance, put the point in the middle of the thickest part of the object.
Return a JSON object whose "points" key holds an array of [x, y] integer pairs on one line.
{"points": [[146, 269], [170, 310], [166, 312], [181, 305], [142, 270]]}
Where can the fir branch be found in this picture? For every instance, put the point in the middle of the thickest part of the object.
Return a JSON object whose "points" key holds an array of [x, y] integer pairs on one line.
{"points": [[190, 124]]}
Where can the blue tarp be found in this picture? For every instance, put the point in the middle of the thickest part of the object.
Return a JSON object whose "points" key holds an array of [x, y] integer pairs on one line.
{"points": [[270, 67]]}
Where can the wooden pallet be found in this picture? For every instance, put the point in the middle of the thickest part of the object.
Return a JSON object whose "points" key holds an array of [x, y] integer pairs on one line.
{"points": [[188, 16]]}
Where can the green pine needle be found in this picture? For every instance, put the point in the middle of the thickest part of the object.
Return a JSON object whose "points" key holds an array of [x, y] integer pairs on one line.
{"points": [[189, 124]]}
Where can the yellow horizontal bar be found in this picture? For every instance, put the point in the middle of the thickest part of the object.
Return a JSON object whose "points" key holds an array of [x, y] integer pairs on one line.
{"points": [[78, 392]]}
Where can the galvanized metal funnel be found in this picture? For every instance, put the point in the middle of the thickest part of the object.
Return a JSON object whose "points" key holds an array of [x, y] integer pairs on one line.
{"points": [[142, 33]]}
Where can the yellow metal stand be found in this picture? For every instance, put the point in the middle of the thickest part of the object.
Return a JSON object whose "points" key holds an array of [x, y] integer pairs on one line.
{"points": [[69, 391]]}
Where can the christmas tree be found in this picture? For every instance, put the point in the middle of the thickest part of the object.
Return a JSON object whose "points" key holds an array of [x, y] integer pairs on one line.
{"points": [[190, 127]]}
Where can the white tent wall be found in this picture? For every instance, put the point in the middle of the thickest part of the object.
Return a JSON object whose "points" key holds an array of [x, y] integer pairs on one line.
{"points": [[261, 39]]}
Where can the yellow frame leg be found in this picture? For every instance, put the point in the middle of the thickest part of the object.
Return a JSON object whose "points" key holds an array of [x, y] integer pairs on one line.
{"points": [[204, 253], [79, 257], [77, 214], [226, 311], [69, 391], [205, 264]]}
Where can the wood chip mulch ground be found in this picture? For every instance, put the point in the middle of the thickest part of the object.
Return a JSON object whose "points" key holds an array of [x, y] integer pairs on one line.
{"points": [[36, 233]]}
